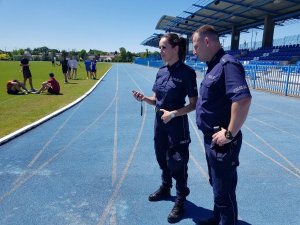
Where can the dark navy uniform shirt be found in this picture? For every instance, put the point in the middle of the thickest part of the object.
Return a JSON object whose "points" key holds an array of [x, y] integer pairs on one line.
{"points": [[173, 84], [223, 84]]}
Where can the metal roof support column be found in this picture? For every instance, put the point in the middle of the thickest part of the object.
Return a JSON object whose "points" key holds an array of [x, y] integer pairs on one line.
{"points": [[268, 32], [235, 38], [188, 38]]}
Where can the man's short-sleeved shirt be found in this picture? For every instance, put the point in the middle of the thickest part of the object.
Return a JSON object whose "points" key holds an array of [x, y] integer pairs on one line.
{"points": [[87, 64], [173, 84], [223, 84]]}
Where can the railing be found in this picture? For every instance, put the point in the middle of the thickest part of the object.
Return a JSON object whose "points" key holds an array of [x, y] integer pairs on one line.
{"points": [[283, 80], [278, 79]]}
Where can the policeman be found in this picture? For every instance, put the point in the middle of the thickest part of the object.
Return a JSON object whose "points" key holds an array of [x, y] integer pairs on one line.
{"points": [[220, 113], [173, 83]]}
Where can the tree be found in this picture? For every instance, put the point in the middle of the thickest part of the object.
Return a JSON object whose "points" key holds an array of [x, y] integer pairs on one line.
{"points": [[44, 53], [82, 54], [123, 54], [21, 51], [129, 57]]}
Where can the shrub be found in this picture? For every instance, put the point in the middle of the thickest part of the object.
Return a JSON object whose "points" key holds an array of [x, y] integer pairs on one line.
{"points": [[4, 56]]}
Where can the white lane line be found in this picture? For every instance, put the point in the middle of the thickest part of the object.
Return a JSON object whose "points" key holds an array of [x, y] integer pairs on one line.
{"points": [[274, 150], [113, 212], [113, 216], [274, 127], [135, 83], [200, 140], [200, 168], [279, 112], [41, 151], [201, 146], [138, 74], [54, 157], [273, 160], [52, 138], [112, 199], [115, 150]]}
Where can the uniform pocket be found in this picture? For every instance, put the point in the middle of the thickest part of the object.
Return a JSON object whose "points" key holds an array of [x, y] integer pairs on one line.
{"points": [[206, 88], [220, 156]]}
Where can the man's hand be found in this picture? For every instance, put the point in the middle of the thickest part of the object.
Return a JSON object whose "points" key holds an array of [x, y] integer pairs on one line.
{"points": [[219, 138]]}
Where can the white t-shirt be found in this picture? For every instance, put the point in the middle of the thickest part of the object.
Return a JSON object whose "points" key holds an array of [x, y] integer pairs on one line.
{"points": [[73, 63]]}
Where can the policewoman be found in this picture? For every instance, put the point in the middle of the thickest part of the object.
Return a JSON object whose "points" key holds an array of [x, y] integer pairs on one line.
{"points": [[221, 110], [174, 82]]}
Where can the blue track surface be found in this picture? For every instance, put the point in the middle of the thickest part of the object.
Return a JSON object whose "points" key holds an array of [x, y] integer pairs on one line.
{"points": [[94, 163]]}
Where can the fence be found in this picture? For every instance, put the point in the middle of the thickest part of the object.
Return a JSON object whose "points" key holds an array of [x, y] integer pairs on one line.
{"points": [[274, 78], [278, 79]]}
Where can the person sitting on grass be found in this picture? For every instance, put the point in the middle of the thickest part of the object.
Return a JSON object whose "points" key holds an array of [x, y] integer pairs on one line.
{"points": [[15, 87], [51, 85]]}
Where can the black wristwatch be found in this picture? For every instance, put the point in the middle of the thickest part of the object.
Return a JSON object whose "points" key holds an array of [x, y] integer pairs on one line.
{"points": [[228, 135]]}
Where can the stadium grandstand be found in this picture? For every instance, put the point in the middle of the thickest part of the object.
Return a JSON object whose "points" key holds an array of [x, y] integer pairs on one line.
{"points": [[270, 64]]}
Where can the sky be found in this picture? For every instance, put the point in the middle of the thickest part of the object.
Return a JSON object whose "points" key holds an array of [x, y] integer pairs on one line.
{"points": [[105, 25]]}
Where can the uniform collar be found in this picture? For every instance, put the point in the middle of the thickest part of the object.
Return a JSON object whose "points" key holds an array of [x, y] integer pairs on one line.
{"points": [[174, 66], [216, 59]]}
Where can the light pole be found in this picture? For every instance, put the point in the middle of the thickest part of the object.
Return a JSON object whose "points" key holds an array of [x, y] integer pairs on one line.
{"points": [[255, 39], [251, 38]]}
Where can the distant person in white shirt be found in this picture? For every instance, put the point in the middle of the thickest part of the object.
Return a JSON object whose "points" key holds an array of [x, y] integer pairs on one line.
{"points": [[73, 65]]}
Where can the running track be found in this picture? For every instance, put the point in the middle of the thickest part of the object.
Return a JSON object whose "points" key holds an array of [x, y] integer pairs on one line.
{"points": [[94, 163]]}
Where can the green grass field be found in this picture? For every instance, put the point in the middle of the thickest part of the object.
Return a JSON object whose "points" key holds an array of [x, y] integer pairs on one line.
{"points": [[18, 111]]}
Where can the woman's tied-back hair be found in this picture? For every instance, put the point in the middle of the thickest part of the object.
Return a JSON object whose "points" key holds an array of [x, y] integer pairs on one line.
{"points": [[175, 40]]}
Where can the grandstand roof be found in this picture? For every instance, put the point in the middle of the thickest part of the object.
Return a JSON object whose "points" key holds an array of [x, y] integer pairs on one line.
{"points": [[224, 14], [152, 41]]}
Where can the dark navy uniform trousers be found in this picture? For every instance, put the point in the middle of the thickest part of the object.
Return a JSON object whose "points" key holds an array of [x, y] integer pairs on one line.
{"points": [[222, 164], [171, 149]]}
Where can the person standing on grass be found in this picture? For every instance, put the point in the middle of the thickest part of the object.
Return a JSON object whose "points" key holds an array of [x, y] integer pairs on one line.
{"points": [[174, 82], [64, 67], [73, 65], [221, 110], [26, 72], [94, 69], [87, 63], [52, 86]]}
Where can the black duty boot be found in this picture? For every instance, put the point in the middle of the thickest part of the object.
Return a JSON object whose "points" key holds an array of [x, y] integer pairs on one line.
{"points": [[162, 193], [177, 212]]}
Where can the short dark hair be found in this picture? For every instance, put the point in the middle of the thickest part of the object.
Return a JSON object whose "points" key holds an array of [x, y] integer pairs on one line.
{"points": [[207, 30], [51, 74]]}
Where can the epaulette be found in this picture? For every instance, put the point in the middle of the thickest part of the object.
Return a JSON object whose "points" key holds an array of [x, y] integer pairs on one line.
{"points": [[227, 58]]}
